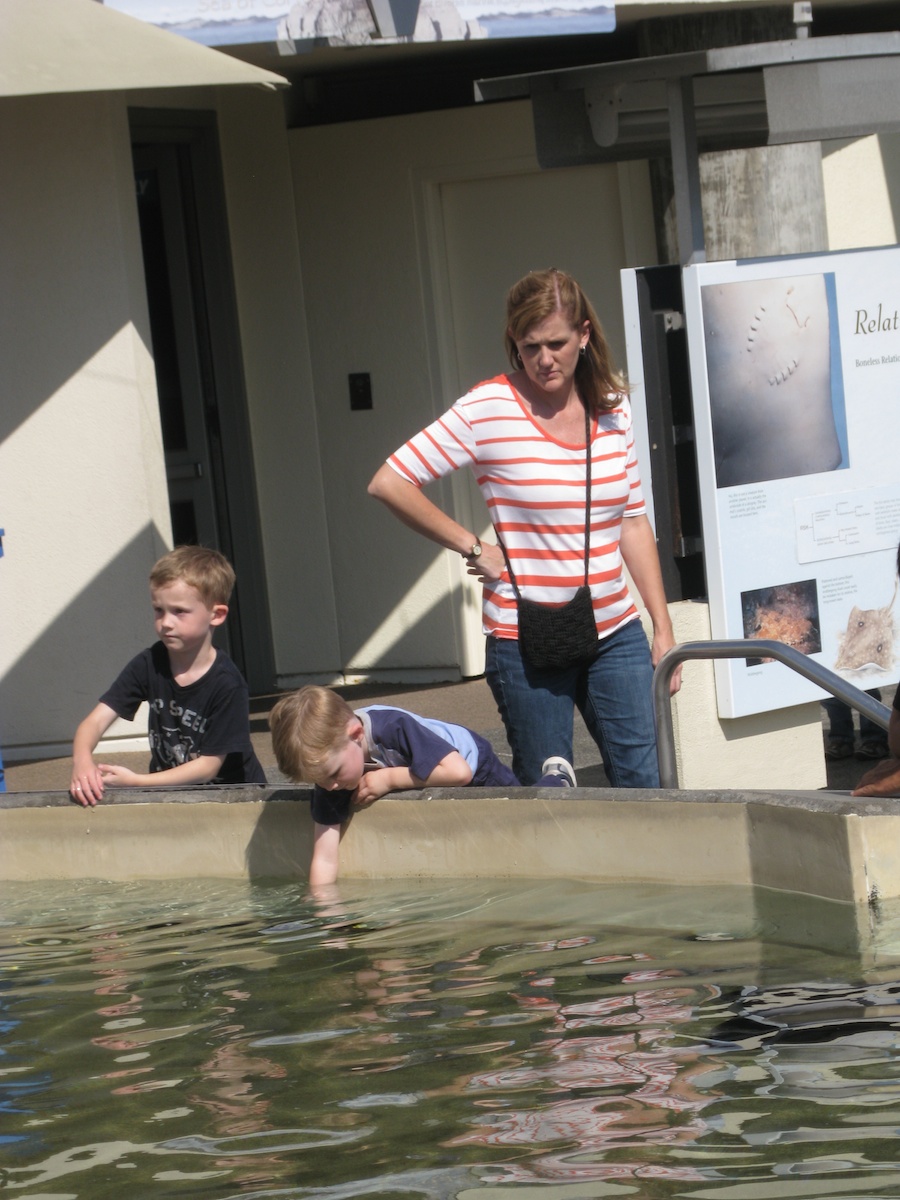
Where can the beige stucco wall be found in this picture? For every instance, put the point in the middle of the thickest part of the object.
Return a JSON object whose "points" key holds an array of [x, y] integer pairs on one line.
{"points": [[85, 506], [84, 501], [273, 311], [862, 191]]}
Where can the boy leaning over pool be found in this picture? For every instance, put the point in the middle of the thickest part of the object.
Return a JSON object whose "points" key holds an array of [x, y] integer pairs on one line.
{"points": [[354, 757], [199, 722]]}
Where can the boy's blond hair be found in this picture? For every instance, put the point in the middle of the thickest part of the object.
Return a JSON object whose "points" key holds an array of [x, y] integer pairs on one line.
{"points": [[308, 726], [207, 571]]}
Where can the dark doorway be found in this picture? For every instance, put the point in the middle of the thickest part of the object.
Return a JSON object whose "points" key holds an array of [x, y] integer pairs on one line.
{"points": [[196, 352]]}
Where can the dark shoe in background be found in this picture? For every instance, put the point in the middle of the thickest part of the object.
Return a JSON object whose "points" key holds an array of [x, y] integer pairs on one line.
{"points": [[836, 748], [873, 749]]}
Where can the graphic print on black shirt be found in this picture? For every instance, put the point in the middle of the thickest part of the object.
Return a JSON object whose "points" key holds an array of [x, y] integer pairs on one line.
{"points": [[208, 717], [175, 733]]}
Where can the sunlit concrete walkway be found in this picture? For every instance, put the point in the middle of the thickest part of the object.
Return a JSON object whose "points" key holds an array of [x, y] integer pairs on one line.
{"points": [[470, 703]]}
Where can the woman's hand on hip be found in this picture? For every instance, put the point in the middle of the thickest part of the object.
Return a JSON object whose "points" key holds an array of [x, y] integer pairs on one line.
{"points": [[489, 565]]}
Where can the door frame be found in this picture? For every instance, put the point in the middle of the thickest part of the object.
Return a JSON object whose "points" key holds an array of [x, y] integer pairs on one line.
{"points": [[216, 314]]}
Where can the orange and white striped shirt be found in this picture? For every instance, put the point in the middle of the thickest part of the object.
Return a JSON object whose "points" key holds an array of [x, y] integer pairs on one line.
{"points": [[534, 487]]}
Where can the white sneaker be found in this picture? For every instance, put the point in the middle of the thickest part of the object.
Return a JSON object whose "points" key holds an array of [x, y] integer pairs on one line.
{"points": [[560, 768]]}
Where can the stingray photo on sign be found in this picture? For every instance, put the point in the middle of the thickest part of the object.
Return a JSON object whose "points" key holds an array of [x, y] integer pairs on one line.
{"points": [[866, 644], [772, 389]]}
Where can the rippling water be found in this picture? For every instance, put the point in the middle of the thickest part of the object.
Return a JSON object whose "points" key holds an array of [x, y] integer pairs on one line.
{"points": [[553, 1041]]}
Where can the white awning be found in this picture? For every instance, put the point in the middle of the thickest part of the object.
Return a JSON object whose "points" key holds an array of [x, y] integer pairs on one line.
{"points": [[49, 46]]}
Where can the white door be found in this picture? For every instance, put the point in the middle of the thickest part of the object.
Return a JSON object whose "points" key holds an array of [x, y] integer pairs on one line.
{"points": [[495, 230]]}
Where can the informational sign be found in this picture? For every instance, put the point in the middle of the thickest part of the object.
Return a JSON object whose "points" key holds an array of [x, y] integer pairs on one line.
{"points": [[296, 25], [795, 373]]}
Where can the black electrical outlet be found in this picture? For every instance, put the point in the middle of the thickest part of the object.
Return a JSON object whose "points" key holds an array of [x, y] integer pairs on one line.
{"points": [[360, 391]]}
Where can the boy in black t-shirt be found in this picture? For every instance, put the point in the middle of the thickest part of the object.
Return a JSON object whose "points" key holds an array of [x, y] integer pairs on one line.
{"points": [[199, 723]]}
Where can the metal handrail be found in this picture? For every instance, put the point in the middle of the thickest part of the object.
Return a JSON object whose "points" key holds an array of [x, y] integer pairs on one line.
{"points": [[756, 648]]}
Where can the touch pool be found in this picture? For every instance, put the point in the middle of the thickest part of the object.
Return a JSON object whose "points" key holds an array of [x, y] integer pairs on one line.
{"points": [[471, 1040]]}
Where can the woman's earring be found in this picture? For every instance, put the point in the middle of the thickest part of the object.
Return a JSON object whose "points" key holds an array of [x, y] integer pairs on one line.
{"points": [[519, 360], [583, 350]]}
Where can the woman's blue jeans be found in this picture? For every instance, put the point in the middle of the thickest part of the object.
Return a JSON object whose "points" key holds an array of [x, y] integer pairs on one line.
{"points": [[613, 693]]}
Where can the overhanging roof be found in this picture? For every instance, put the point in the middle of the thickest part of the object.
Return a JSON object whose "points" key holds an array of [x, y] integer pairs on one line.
{"points": [[806, 89], [63, 46], [736, 97]]}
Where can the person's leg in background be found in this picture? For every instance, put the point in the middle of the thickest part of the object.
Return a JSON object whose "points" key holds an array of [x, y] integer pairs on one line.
{"points": [[872, 738], [840, 737]]}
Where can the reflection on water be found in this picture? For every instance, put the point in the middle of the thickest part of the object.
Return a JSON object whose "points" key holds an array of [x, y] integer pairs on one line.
{"points": [[449, 1040]]}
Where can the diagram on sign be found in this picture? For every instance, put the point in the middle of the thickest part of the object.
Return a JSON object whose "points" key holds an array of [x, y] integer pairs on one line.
{"points": [[847, 523]]}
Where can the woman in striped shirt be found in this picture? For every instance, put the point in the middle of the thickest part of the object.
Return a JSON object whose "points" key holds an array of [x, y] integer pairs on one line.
{"points": [[523, 434]]}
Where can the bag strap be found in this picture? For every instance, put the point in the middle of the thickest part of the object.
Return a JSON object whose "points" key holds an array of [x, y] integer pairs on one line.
{"points": [[589, 451]]}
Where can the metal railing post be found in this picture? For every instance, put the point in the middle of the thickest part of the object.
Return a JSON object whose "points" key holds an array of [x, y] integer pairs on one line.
{"points": [[756, 648]]}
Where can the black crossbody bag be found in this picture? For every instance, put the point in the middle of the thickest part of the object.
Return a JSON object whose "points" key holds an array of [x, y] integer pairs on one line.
{"points": [[560, 635]]}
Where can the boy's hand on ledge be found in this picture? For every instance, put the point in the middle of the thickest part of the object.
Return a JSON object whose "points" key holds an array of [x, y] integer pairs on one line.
{"points": [[881, 780], [374, 785], [117, 776]]}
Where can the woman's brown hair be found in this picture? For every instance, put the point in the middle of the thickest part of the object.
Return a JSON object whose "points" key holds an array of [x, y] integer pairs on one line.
{"points": [[540, 294]]}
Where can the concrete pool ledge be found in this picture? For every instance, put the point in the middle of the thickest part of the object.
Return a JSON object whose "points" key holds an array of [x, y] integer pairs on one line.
{"points": [[826, 845]]}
